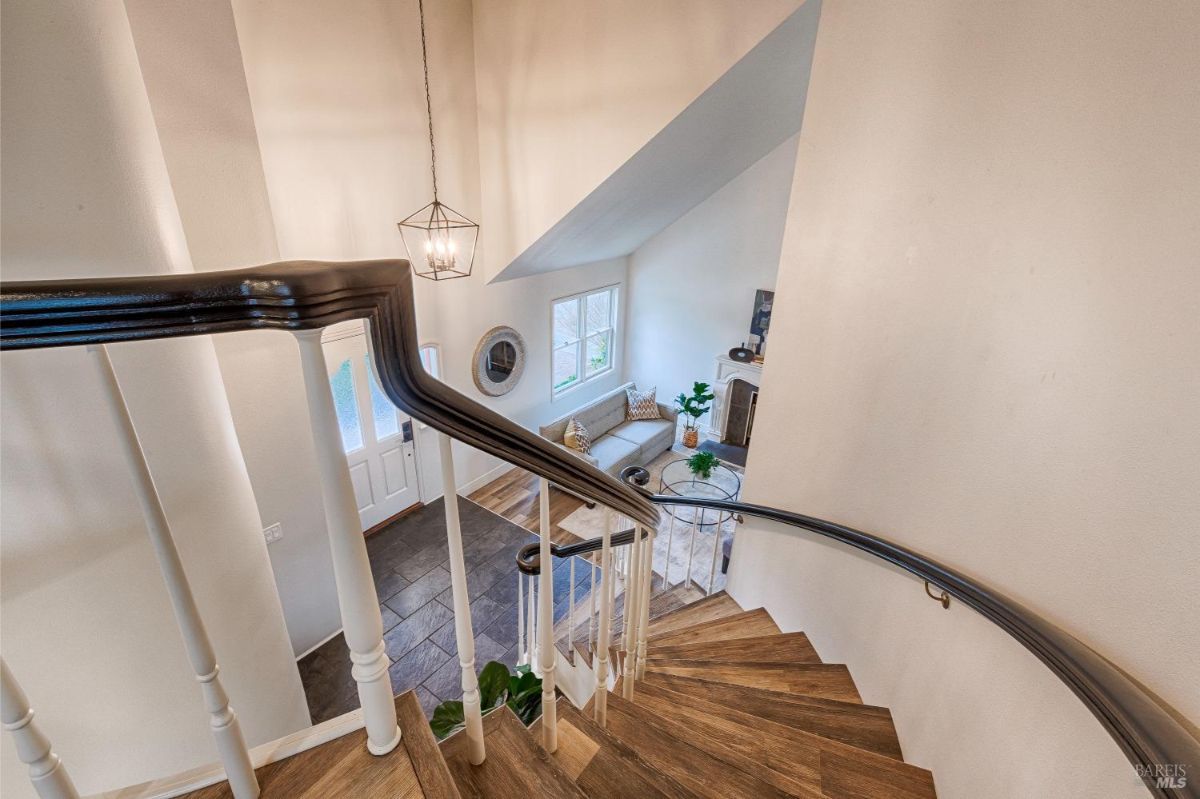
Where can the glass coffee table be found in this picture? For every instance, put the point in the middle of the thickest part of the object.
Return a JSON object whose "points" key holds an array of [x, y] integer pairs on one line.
{"points": [[678, 480]]}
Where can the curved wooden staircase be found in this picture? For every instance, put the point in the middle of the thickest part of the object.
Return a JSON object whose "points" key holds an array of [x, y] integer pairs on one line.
{"points": [[730, 706]]}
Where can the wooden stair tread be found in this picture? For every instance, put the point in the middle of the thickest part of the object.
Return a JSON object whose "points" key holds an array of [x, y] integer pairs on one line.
{"points": [[717, 606], [744, 624], [341, 767], [782, 648], [515, 768], [584, 651], [802, 761], [601, 764], [693, 768], [864, 726], [432, 771], [825, 680]]}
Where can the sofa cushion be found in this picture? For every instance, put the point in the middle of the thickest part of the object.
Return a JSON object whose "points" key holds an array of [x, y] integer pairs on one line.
{"points": [[606, 413], [598, 416], [576, 436], [642, 404], [611, 452], [644, 432]]}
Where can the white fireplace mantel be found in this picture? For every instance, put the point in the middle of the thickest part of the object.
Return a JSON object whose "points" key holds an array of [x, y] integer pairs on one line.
{"points": [[729, 370]]}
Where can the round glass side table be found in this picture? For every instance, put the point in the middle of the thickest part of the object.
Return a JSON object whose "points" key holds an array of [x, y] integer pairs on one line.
{"points": [[677, 479]]}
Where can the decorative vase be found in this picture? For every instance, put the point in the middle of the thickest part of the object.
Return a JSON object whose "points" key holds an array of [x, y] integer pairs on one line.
{"points": [[691, 437]]}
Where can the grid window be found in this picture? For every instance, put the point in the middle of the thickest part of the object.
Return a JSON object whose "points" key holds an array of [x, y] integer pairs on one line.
{"points": [[583, 337]]}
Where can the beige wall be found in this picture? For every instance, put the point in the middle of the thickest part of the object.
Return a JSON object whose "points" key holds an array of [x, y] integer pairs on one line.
{"points": [[88, 628], [568, 91], [990, 298], [692, 287]]}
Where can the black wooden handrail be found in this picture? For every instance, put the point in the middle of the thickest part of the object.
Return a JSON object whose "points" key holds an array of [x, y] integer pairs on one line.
{"points": [[1146, 731], [297, 295], [305, 295], [529, 559]]}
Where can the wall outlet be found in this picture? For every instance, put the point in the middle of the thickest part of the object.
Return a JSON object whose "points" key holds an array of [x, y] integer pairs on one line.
{"points": [[273, 533]]}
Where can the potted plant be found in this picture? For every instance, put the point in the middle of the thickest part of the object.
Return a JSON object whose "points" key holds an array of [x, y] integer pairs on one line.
{"points": [[702, 464], [692, 408], [522, 692]]}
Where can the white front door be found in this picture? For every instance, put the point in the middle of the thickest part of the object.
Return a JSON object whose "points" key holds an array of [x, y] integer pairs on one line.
{"points": [[376, 436]]}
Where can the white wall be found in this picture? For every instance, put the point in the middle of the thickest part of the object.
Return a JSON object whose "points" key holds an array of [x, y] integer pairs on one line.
{"points": [[523, 304], [338, 103], [192, 66], [986, 345], [691, 287], [88, 628], [569, 91]]}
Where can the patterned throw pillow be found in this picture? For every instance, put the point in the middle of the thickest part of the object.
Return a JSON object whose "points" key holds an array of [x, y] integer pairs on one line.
{"points": [[576, 437], [642, 404]]}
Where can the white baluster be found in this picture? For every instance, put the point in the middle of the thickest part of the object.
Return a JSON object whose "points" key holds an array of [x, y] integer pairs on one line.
{"points": [[46, 772], [600, 707], [691, 549], [644, 610], [464, 635], [531, 625], [571, 612], [667, 563], [231, 746], [633, 584], [712, 574], [362, 624], [546, 623], [592, 609], [522, 652]]}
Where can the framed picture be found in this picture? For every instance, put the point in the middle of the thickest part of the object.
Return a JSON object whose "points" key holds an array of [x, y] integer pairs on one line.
{"points": [[760, 321]]}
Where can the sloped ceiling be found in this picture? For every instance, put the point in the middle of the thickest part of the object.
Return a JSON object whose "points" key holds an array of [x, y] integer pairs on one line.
{"points": [[567, 91], [747, 112]]}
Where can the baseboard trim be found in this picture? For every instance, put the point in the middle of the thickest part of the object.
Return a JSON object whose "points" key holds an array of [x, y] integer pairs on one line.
{"points": [[488, 477], [270, 752], [319, 644]]}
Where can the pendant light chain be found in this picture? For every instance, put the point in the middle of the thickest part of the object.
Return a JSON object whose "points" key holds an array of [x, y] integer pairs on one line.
{"points": [[440, 242], [428, 102]]}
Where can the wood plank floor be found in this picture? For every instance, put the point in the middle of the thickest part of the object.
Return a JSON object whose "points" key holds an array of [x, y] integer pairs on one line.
{"points": [[515, 497]]}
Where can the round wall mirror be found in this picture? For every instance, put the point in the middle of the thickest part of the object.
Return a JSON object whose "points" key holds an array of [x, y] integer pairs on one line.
{"points": [[499, 361]]}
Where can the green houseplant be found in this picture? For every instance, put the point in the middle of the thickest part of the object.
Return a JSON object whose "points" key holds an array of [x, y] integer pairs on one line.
{"points": [[522, 692], [702, 464], [692, 408]]}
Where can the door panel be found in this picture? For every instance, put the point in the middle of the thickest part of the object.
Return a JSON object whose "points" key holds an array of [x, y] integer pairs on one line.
{"points": [[360, 476], [382, 464], [394, 477]]}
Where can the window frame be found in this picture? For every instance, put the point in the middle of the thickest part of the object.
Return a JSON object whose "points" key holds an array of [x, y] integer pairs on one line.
{"points": [[583, 335]]}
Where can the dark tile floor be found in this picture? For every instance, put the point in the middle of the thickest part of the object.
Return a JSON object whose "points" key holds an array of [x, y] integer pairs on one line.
{"points": [[409, 559]]}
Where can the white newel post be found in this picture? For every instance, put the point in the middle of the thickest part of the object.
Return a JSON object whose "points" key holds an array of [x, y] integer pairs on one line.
{"points": [[463, 633], [633, 607], [644, 610], [362, 624], [46, 771], [546, 622], [231, 746], [600, 707]]}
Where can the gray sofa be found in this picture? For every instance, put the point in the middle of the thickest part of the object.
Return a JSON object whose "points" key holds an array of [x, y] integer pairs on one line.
{"points": [[616, 442]]}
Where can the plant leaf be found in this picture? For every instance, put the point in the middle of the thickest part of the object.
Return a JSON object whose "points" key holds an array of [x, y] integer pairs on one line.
{"points": [[493, 683], [447, 717]]}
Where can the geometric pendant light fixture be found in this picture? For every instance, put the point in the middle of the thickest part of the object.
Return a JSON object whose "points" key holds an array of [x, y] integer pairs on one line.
{"points": [[440, 241]]}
